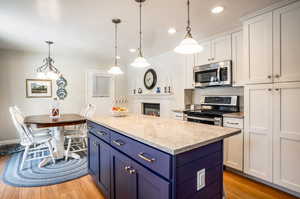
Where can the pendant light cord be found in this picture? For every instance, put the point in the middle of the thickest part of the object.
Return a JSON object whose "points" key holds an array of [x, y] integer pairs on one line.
{"points": [[188, 28], [140, 49], [116, 46]]}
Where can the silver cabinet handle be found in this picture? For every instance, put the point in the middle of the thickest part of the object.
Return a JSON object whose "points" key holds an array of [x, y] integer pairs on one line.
{"points": [[95, 143], [132, 171], [232, 123], [118, 142], [102, 133], [127, 168], [142, 156]]}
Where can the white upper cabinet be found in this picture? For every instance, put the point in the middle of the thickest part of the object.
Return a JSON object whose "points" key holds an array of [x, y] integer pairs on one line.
{"points": [[258, 131], [258, 49], [221, 49], [218, 49], [287, 135], [204, 57], [237, 59], [287, 43]]}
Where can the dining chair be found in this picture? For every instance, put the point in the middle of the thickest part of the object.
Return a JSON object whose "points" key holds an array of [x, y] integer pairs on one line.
{"points": [[79, 133], [37, 146], [35, 132]]}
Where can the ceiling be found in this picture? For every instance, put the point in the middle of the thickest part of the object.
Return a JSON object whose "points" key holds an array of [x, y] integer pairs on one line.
{"points": [[84, 28]]}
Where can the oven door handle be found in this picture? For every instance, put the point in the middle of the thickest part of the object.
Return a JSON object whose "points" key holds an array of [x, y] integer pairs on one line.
{"points": [[201, 118], [219, 74]]}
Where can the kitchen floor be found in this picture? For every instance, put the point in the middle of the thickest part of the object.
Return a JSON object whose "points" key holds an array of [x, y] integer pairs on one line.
{"points": [[84, 188]]}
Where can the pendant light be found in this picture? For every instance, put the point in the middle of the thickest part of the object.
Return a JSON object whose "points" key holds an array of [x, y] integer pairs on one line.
{"points": [[188, 45], [140, 61], [116, 70], [48, 70]]}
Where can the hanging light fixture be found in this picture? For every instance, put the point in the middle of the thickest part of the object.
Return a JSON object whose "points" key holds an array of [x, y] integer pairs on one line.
{"points": [[140, 61], [116, 70], [48, 70], [188, 45]]}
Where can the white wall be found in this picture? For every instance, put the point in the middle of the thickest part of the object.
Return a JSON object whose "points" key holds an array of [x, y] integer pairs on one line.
{"points": [[16, 67], [169, 67]]}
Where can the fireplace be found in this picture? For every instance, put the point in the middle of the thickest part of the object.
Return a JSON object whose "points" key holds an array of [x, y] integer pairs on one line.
{"points": [[151, 109]]}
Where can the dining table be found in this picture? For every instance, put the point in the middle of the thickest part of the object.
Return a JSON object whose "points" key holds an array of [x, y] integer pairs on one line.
{"points": [[57, 127]]}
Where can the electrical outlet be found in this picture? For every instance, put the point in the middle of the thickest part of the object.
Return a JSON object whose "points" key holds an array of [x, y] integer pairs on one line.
{"points": [[200, 179]]}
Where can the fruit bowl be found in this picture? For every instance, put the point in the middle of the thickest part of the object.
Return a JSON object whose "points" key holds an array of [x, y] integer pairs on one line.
{"points": [[119, 111]]}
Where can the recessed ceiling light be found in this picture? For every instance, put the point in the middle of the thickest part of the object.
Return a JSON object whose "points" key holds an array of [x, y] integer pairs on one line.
{"points": [[172, 31], [217, 10], [132, 50]]}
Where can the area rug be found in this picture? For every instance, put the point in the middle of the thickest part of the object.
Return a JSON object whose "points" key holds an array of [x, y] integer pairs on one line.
{"points": [[33, 176]]}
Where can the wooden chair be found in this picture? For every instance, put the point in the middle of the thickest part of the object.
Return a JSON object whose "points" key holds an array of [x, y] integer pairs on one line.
{"points": [[79, 133], [37, 146]]}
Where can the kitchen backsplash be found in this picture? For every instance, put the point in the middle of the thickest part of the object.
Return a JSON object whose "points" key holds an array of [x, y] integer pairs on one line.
{"points": [[220, 91]]}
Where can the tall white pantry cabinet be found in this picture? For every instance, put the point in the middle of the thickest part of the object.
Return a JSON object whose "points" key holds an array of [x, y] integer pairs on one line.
{"points": [[272, 96]]}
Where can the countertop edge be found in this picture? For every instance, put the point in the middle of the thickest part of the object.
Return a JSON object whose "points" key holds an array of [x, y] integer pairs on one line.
{"points": [[162, 148]]}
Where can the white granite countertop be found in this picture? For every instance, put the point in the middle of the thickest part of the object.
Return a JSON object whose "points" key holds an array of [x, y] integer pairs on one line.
{"points": [[168, 135]]}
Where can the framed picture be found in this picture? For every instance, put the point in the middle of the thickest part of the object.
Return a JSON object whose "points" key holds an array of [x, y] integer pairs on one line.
{"points": [[38, 88]]}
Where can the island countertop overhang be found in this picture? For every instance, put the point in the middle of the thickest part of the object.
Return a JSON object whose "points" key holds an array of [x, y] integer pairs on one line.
{"points": [[168, 135]]}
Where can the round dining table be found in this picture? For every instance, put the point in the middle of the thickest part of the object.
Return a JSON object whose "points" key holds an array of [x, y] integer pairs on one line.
{"points": [[57, 127]]}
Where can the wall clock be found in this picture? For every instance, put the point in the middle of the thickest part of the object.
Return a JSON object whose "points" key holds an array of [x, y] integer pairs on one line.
{"points": [[150, 79]]}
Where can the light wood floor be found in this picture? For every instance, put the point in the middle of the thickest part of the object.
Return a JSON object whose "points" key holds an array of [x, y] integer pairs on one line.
{"points": [[83, 188]]}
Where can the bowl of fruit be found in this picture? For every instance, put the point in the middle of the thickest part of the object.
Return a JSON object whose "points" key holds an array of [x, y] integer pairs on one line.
{"points": [[119, 111]]}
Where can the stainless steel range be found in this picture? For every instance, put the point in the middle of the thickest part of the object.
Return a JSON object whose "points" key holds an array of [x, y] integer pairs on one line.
{"points": [[212, 108]]}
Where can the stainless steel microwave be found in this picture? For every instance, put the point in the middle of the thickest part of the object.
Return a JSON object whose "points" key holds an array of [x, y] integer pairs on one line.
{"points": [[215, 74]]}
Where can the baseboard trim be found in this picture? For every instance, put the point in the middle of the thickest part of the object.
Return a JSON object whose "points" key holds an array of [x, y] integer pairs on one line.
{"points": [[7, 142], [296, 194]]}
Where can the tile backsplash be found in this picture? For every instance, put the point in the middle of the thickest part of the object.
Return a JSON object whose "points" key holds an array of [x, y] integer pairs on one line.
{"points": [[239, 91]]}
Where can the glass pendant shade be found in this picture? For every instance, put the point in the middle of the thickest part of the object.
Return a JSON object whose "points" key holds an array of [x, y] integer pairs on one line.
{"points": [[188, 46], [140, 62], [115, 70]]}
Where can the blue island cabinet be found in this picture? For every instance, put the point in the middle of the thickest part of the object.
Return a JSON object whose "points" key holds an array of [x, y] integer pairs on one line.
{"points": [[125, 168], [99, 163], [131, 180]]}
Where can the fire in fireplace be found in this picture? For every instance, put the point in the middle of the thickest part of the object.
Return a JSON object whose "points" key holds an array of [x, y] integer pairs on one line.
{"points": [[151, 109]]}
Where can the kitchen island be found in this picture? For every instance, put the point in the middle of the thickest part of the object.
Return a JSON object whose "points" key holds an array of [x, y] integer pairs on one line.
{"points": [[141, 157]]}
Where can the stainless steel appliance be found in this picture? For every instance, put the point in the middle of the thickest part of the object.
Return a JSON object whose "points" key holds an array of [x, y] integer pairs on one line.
{"points": [[215, 74], [212, 108]]}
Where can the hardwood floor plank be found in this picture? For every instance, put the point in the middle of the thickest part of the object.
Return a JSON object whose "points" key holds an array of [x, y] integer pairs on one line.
{"points": [[236, 187]]}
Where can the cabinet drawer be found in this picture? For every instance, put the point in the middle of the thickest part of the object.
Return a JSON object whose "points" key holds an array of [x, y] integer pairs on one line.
{"points": [[233, 123], [99, 131], [151, 158]]}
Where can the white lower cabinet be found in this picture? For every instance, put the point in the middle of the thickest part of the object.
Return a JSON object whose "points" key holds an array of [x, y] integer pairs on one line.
{"points": [[234, 146], [272, 133], [286, 135]]}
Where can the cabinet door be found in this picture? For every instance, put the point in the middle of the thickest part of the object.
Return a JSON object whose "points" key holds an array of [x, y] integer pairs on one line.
{"points": [[124, 183], [150, 186], [287, 135], [258, 131], [99, 163], [204, 56], [234, 146], [189, 73], [221, 49], [258, 49], [237, 59], [287, 43], [93, 157]]}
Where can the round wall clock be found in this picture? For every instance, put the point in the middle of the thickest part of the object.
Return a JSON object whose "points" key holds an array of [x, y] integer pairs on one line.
{"points": [[150, 79]]}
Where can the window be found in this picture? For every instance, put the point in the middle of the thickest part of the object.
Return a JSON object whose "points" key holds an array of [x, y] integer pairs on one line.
{"points": [[101, 86]]}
